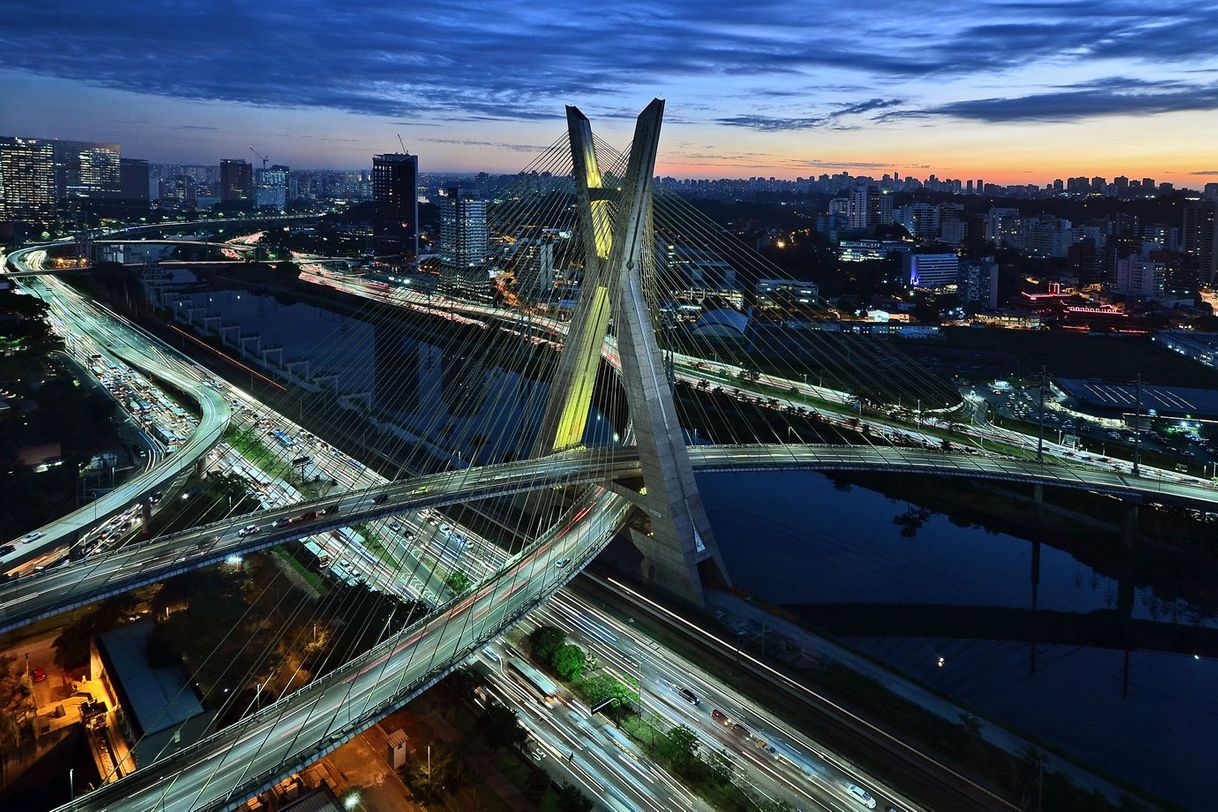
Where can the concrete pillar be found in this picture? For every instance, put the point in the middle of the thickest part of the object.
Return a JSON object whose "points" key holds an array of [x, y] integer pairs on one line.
{"points": [[1129, 523], [146, 515], [1038, 494], [1035, 571]]}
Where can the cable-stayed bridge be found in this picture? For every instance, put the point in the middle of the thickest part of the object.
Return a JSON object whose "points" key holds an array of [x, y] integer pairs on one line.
{"points": [[620, 224]]}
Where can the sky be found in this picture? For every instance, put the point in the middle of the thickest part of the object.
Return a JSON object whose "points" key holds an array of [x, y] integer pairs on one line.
{"points": [[1013, 92]]}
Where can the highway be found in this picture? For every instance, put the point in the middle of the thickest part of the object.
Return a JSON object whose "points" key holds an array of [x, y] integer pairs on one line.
{"points": [[225, 768], [127, 343], [153, 561]]}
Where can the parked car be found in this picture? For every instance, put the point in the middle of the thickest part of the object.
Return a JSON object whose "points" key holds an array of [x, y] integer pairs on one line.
{"points": [[38, 675]]}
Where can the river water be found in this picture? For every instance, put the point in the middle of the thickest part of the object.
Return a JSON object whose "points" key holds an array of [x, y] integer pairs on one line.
{"points": [[795, 539]]}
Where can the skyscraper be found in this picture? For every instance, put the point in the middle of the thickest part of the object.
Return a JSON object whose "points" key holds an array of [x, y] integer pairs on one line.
{"points": [[27, 181], [133, 193], [395, 196], [272, 188], [87, 177], [1199, 239], [463, 244], [869, 207], [236, 181]]}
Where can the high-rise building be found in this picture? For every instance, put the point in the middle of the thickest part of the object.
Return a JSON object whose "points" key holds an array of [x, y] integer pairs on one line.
{"points": [[271, 190], [979, 283], [1199, 240], [919, 219], [27, 181], [869, 207], [236, 181], [133, 194], [1142, 274], [534, 265], [395, 197], [1211, 192], [463, 244], [88, 177]]}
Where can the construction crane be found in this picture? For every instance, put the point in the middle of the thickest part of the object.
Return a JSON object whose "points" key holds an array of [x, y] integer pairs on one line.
{"points": [[264, 158], [402, 144]]}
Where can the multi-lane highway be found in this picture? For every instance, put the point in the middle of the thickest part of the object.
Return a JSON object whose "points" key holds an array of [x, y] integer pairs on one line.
{"points": [[225, 768], [263, 747], [128, 343]]}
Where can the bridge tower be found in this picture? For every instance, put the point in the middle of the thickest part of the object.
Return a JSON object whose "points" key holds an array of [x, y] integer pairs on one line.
{"points": [[616, 228]]}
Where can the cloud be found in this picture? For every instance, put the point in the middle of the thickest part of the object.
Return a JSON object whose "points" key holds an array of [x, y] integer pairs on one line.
{"points": [[499, 59], [530, 148], [832, 118], [1117, 96], [1204, 172], [204, 127]]}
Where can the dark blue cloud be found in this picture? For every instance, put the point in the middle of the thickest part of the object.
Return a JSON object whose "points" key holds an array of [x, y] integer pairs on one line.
{"points": [[1108, 97], [504, 59], [831, 118]]}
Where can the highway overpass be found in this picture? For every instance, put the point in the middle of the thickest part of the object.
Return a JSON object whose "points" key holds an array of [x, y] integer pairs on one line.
{"points": [[141, 351], [151, 561]]}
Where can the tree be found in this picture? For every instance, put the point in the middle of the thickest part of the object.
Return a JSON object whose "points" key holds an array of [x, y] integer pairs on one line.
{"points": [[569, 661], [545, 641], [500, 728], [599, 687], [570, 799], [431, 776]]}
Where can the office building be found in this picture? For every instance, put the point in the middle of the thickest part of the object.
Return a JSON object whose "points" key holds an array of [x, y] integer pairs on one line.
{"points": [[534, 265], [463, 244], [786, 293], [271, 191], [236, 181], [395, 197], [88, 178], [931, 270], [133, 185], [1199, 240], [27, 181]]}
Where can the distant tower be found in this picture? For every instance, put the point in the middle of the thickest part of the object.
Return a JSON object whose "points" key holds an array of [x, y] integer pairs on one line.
{"points": [[395, 198], [27, 181], [236, 181], [463, 245]]}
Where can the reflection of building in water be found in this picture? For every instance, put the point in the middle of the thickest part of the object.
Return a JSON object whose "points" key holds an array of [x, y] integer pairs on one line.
{"points": [[156, 708], [396, 370], [464, 385]]}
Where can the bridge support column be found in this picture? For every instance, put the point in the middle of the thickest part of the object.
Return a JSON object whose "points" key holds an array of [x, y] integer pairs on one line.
{"points": [[1038, 495], [1129, 523], [619, 254], [146, 517]]}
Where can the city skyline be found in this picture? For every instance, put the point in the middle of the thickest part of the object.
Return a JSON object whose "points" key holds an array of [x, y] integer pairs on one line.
{"points": [[982, 96]]}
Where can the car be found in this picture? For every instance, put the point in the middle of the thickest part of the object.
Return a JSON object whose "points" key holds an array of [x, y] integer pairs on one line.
{"points": [[861, 795], [7, 549], [32, 536], [395, 527], [489, 653], [280, 522], [330, 511], [689, 696], [562, 562], [248, 530], [38, 675], [380, 499]]}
